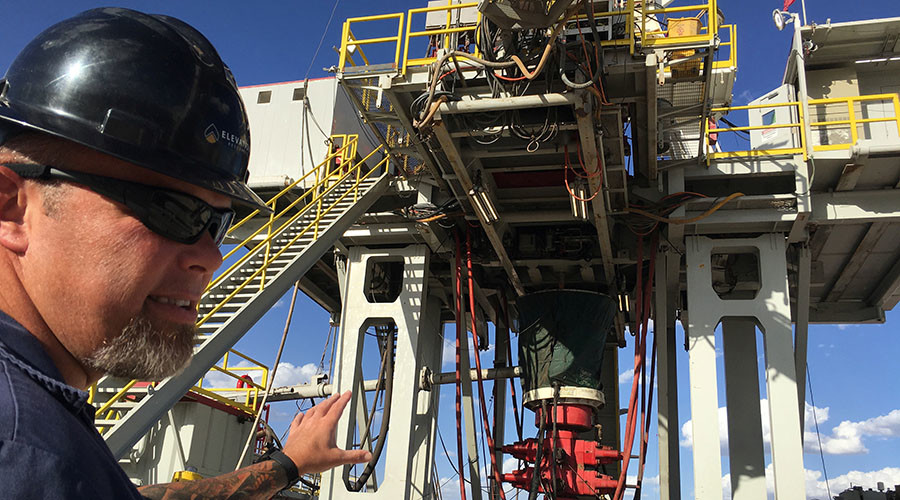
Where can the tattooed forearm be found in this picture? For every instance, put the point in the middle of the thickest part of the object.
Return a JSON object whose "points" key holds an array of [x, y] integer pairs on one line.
{"points": [[258, 481]]}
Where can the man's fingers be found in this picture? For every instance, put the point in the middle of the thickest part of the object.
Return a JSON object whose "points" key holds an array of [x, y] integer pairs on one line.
{"points": [[337, 407], [297, 419], [324, 406], [356, 456]]}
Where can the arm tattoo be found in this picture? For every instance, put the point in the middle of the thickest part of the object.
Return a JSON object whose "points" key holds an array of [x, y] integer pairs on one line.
{"points": [[257, 481]]}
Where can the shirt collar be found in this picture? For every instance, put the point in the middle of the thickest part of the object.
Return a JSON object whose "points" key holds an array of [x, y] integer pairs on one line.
{"points": [[26, 352]]}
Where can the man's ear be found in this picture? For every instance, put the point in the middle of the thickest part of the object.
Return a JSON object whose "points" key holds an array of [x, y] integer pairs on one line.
{"points": [[13, 200]]}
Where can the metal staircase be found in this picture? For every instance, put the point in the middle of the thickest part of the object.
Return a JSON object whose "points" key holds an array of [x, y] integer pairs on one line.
{"points": [[265, 265]]}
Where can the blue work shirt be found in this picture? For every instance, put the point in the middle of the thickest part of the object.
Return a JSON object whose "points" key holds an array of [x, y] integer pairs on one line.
{"points": [[49, 447]]}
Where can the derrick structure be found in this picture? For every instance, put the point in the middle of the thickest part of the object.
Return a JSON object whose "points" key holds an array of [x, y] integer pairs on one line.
{"points": [[597, 169], [473, 183]]}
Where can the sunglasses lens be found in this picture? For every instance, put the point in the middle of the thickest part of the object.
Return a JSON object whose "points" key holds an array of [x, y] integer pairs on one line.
{"points": [[181, 217], [218, 228]]}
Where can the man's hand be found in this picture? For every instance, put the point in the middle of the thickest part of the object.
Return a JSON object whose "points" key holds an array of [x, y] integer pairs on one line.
{"points": [[311, 442]]}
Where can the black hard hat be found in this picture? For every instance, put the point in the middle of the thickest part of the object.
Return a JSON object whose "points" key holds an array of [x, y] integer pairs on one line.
{"points": [[148, 89]]}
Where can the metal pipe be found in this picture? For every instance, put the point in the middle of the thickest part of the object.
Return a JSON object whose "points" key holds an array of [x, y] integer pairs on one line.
{"points": [[802, 95], [503, 103], [323, 390]]}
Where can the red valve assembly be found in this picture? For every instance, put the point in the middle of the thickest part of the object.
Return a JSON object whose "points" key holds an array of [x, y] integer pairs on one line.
{"points": [[567, 466]]}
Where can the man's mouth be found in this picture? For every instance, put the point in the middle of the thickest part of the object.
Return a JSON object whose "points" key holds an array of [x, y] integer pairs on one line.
{"points": [[182, 303]]}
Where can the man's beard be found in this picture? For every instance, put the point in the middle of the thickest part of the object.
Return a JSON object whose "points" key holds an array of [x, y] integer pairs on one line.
{"points": [[145, 350]]}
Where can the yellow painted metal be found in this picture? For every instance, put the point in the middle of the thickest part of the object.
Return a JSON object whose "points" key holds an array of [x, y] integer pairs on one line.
{"points": [[321, 213], [852, 122], [753, 153], [660, 38], [348, 39], [407, 62], [106, 406], [224, 400], [186, 475], [731, 43]]}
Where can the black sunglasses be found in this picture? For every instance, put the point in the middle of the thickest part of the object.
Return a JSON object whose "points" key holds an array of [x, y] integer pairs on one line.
{"points": [[175, 215]]}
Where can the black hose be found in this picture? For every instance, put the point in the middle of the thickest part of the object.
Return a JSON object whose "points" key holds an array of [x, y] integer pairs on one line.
{"points": [[598, 75], [385, 419]]}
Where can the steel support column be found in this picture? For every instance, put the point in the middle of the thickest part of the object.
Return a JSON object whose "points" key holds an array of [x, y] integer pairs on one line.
{"points": [[408, 458], [771, 308], [668, 264], [801, 327], [746, 455]]}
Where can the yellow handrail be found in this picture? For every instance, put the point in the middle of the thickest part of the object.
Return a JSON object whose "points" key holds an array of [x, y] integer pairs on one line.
{"points": [[115, 398], [433, 32], [851, 122], [348, 40], [299, 213], [315, 222], [281, 193], [660, 38]]}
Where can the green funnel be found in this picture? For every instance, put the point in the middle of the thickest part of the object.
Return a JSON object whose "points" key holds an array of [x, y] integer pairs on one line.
{"points": [[561, 338]]}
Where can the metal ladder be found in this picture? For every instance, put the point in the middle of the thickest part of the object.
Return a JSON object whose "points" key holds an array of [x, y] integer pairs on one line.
{"points": [[280, 253]]}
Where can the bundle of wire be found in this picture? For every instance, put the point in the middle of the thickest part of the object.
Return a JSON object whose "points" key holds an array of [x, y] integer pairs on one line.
{"points": [[642, 225], [428, 212]]}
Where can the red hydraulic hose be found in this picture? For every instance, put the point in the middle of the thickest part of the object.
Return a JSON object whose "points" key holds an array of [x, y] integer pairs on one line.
{"points": [[646, 412], [484, 412], [638, 363], [459, 322]]}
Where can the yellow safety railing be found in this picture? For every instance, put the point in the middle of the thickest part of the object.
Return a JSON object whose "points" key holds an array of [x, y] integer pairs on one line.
{"points": [[319, 195], [240, 373], [349, 42], [665, 38], [351, 174], [760, 152], [731, 43], [444, 32], [851, 107]]}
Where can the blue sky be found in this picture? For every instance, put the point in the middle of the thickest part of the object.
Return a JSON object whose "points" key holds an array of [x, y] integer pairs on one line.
{"points": [[853, 368]]}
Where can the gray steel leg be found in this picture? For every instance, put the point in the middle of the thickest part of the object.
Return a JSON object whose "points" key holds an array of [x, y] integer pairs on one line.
{"points": [[407, 469], [745, 439], [667, 267]]}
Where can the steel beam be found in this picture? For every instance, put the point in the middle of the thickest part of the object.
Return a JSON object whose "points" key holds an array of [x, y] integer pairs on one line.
{"points": [[423, 152], [886, 287], [852, 207], [462, 173], [801, 326], [856, 261], [651, 140], [849, 176], [593, 156], [845, 312]]}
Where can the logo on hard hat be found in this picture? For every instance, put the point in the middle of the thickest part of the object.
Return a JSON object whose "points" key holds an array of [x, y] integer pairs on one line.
{"points": [[211, 133], [213, 136]]}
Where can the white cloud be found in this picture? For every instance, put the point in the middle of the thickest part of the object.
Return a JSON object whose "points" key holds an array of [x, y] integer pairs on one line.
{"points": [[845, 439], [287, 374], [448, 355], [815, 484], [626, 376]]}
